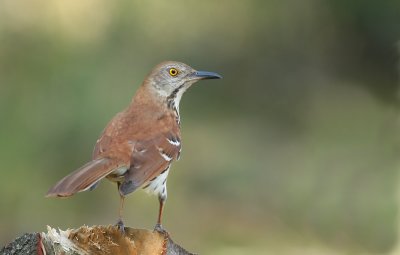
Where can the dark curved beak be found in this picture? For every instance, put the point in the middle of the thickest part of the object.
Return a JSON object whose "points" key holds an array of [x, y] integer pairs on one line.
{"points": [[202, 75]]}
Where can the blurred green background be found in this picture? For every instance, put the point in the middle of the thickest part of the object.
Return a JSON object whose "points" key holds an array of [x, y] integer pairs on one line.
{"points": [[295, 151]]}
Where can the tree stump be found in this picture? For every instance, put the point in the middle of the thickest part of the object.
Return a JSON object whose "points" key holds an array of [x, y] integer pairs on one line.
{"points": [[99, 240]]}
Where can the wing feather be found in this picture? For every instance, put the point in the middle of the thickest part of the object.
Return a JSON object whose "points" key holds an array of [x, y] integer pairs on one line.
{"points": [[85, 177]]}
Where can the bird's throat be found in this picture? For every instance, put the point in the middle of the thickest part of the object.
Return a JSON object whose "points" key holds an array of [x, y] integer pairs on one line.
{"points": [[174, 99]]}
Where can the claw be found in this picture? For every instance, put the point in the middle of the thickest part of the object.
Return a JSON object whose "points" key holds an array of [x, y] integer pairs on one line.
{"points": [[121, 227], [160, 229]]}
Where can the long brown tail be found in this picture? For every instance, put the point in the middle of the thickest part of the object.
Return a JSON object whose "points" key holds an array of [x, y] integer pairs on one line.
{"points": [[84, 178]]}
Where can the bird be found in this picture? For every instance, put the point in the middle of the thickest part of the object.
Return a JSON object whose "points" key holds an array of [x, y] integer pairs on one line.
{"points": [[138, 145]]}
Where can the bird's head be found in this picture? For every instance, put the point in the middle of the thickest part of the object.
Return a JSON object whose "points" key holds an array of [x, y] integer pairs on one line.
{"points": [[171, 79]]}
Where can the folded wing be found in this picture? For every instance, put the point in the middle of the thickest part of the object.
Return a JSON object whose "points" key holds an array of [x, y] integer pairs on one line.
{"points": [[150, 158]]}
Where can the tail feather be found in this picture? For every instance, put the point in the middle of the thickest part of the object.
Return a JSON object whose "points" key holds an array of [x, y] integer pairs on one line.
{"points": [[84, 178]]}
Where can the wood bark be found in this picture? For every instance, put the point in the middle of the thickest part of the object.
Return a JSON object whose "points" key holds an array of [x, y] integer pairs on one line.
{"points": [[99, 240]]}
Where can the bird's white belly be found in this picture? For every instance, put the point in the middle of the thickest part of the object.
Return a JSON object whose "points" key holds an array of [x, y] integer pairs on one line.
{"points": [[158, 186]]}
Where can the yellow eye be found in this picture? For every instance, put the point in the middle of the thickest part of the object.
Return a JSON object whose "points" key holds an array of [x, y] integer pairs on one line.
{"points": [[173, 72]]}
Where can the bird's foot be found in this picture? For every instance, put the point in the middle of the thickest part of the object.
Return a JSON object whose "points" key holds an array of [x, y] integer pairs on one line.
{"points": [[120, 225], [160, 229]]}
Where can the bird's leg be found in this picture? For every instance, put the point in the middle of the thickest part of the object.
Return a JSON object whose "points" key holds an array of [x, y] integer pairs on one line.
{"points": [[159, 227], [120, 223]]}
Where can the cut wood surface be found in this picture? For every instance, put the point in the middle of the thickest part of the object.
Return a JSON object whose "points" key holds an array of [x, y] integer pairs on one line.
{"points": [[94, 240]]}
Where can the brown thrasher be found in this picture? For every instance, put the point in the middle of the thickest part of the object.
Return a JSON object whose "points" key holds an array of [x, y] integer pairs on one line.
{"points": [[138, 145]]}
